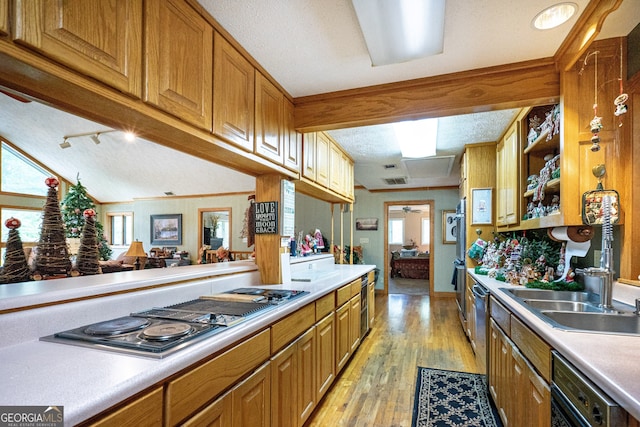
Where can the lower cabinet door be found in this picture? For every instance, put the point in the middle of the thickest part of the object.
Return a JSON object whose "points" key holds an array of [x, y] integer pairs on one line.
{"points": [[326, 350], [217, 414], [343, 343], [251, 399]]}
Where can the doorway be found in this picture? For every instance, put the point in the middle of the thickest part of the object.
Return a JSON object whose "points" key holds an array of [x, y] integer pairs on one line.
{"points": [[214, 225], [408, 242]]}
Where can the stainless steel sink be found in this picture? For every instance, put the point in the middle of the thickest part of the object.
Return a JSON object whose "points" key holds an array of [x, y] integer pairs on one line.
{"points": [[596, 322], [543, 294], [563, 306]]}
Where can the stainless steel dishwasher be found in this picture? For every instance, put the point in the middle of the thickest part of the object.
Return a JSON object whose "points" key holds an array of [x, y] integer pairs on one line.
{"points": [[481, 295]]}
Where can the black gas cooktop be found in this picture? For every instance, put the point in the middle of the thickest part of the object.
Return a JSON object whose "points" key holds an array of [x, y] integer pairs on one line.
{"points": [[160, 331]]}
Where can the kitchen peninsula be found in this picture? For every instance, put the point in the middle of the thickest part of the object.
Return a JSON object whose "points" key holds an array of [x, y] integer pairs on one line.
{"points": [[46, 373]]}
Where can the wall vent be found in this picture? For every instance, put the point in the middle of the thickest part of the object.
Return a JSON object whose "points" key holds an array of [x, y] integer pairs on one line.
{"points": [[395, 181]]}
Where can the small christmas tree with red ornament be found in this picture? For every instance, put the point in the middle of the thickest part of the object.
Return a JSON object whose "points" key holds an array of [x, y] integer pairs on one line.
{"points": [[52, 253], [16, 268], [88, 259]]}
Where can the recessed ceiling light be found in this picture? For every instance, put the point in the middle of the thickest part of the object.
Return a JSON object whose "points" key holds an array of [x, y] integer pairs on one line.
{"points": [[417, 138], [554, 16]]}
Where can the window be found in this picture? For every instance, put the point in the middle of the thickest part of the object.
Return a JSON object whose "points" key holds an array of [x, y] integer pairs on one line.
{"points": [[29, 229], [20, 174], [396, 231], [426, 232], [120, 228]]}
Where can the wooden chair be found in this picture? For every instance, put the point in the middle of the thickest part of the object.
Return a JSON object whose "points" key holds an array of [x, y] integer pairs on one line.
{"points": [[240, 255]]}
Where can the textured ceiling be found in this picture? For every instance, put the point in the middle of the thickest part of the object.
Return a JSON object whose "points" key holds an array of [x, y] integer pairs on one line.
{"points": [[309, 47]]}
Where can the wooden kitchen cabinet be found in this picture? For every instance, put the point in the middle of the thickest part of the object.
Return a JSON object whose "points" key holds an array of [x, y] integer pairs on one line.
{"points": [[532, 400], [190, 391], [269, 116], [251, 400], [309, 154], [292, 139], [100, 39], [354, 323], [322, 159], [519, 370], [499, 373], [233, 95], [4, 17], [336, 169], [284, 387], [326, 354], [217, 414], [343, 341], [179, 80], [508, 178], [144, 411], [307, 375], [293, 377]]}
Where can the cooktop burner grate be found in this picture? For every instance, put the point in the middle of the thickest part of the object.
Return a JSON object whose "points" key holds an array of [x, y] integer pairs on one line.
{"points": [[119, 326], [233, 308]]}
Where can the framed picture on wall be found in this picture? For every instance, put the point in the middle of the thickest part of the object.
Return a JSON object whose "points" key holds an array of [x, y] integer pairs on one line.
{"points": [[449, 227], [367, 224], [481, 206], [166, 230]]}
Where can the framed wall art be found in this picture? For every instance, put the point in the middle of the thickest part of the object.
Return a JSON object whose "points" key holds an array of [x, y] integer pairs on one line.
{"points": [[166, 229], [449, 231], [367, 224], [481, 206]]}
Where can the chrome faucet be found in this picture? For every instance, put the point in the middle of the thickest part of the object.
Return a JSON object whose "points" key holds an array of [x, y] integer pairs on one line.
{"points": [[605, 272]]}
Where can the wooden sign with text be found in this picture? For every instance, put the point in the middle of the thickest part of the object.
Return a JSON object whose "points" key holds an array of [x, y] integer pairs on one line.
{"points": [[266, 217]]}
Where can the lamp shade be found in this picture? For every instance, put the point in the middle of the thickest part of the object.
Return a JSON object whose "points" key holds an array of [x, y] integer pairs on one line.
{"points": [[136, 250]]}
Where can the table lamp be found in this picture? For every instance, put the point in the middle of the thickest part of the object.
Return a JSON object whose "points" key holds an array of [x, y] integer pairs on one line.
{"points": [[136, 250]]}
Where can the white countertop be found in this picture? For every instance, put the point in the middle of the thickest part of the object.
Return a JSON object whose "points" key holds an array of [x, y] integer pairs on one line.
{"points": [[612, 362], [87, 381]]}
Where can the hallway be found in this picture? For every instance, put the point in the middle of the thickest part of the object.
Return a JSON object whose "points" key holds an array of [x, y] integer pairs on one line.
{"points": [[377, 387]]}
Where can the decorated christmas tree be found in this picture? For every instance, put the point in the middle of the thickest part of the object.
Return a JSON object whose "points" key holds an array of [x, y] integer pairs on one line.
{"points": [[15, 267], [75, 202], [87, 261], [52, 256]]}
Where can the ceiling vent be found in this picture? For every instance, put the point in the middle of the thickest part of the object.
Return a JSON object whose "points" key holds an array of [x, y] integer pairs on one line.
{"points": [[390, 166], [395, 181]]}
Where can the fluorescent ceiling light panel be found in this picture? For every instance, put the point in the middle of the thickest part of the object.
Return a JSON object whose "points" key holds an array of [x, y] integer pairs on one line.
{"points": [[418, 138], [554, 16], [401, 30]]}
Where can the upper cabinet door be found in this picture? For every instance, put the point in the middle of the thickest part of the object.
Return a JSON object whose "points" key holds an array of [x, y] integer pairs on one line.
{"points": [[269, 120], [233, 94], [292, 139], [322, 159], [309, 155], [102, 39], [179, 61], [4, 17]]}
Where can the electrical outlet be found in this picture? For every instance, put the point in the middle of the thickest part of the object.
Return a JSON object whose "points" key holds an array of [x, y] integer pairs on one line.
{"points": [[364, 240], [596, 257]]}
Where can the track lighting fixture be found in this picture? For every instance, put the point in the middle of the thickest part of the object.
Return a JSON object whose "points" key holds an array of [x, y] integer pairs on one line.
{"points": [[95, 137]]}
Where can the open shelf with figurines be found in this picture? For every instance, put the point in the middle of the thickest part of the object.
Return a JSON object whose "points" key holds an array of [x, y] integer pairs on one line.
{"points": [[541, 166]]}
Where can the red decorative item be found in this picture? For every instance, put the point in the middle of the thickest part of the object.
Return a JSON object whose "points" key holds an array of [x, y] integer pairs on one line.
{"points": [[89, 213], [52, 182], [12, 223]]}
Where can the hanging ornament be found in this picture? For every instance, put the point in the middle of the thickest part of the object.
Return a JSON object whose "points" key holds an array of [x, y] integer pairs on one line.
{"points": [[621, 100], [596, 122]]}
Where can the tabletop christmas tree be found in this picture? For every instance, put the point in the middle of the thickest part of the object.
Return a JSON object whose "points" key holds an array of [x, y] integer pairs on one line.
{"points": [[74, 203], [52, 253], [15, 268], [88, 259]]}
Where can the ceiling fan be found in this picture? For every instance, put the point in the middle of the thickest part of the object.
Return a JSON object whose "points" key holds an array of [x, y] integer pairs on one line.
{"points": [[408, 209]]}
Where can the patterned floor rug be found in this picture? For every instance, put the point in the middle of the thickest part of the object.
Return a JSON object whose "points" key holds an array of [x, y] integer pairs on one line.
{"points": [[450, 398]]}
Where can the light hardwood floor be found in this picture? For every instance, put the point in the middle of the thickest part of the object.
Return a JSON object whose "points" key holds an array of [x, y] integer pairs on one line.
{"points": [[377, 387]]}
